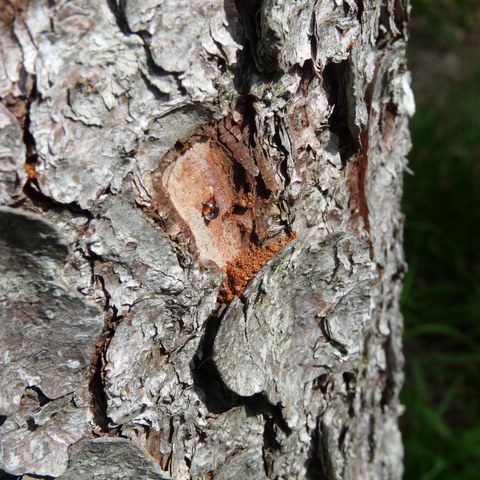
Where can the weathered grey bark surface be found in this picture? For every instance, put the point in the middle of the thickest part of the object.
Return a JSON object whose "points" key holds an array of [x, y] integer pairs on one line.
{"points": [[118, 119]]}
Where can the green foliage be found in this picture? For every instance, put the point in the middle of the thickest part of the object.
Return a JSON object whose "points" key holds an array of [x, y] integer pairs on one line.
{"points": [[448, 18], [441, 297]]}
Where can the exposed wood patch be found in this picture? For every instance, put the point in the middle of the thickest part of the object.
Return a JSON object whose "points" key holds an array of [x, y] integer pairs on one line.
{"points": [[201, 174], [213, 192]]}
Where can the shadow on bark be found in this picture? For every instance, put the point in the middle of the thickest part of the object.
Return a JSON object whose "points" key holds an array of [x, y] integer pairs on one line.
{"points": [[7, 476], [314, 464], [217, 397]]}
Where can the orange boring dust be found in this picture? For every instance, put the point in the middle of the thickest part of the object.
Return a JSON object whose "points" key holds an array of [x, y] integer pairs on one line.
{"points": [[246, 263], [30, 170]]}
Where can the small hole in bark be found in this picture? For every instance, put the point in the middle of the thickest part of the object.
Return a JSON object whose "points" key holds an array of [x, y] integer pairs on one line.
{"points": [[350, 379], [322, 382], [31, 425]]}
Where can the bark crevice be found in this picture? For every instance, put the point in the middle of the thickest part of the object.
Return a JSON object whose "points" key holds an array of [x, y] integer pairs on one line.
{"points": [[337, 79], [118, 12], [313, 464], [218, 398], [96, 385], [248, 12]]}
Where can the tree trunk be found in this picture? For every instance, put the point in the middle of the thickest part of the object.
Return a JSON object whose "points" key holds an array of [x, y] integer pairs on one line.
{"points": [[201, 238]]}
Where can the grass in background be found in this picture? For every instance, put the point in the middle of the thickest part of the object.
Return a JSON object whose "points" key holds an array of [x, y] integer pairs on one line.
{"points": [[441, 296]]}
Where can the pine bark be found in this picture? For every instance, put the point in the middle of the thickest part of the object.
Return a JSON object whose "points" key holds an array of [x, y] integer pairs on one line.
{"points": [[201, 238]]}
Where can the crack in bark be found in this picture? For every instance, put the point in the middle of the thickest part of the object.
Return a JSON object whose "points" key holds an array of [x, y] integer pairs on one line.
{"points": [[217, 397], [31, 156], [120, 17], [248, 11], [325, 327], [41, 397], [336, 77], [314, 466], [260, 404], [96, 388], [361, 9], [7, 476], [313, 40], [390, 388], [156, 92], [386, 34], [371, 439], [157, 71], [324, 453], [153, 68], [350, 380], [45, 203], [4, 475], [270, 445], [96, 385]]}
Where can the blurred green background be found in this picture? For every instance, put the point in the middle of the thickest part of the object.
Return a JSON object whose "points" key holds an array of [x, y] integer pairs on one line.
{"points": [[441, 296]]}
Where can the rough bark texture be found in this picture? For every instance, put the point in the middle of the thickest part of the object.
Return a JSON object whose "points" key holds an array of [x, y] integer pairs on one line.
{"points": [[154, 156]]}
